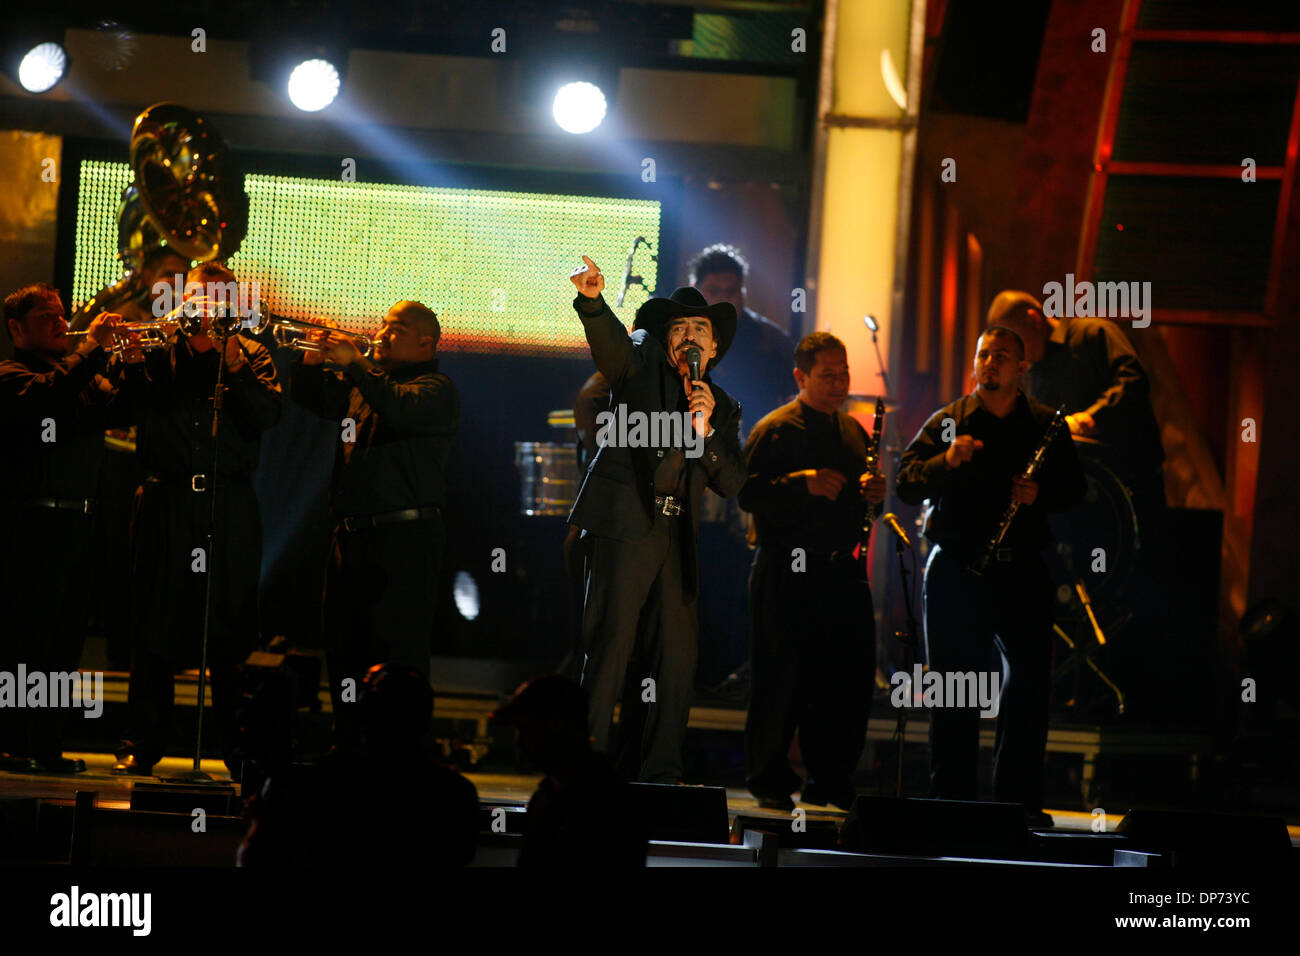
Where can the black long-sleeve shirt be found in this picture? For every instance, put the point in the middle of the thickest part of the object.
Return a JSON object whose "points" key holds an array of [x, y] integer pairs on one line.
{"points": [[795, 438], [970, 500], [405, 423], [68, 401], [172, 395], [1089, 366]]}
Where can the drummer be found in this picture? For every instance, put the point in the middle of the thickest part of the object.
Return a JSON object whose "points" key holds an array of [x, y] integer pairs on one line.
{"points": [[1089, 366]]}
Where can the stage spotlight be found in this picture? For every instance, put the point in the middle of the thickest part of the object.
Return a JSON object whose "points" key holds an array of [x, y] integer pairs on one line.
{"points": [[42, 67], [465, 593], [313, 85], [579, 107]]}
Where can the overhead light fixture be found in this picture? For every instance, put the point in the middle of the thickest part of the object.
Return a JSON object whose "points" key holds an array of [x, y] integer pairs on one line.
{"points": [[39, 67], [303, 57], [579, 107], [313, 85]]}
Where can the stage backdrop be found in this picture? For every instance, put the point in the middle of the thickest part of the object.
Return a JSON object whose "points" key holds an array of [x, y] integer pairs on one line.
{"points": [[490, 251]]}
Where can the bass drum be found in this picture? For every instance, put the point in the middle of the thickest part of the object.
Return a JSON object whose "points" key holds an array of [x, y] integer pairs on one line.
{"points": [[1098, 541], [548, 478]]}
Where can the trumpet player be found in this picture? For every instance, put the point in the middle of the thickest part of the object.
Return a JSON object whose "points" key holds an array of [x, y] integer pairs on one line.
{"points": [[172, 391], [812, 626], [54, 407], [397, 417], [968, 459]]}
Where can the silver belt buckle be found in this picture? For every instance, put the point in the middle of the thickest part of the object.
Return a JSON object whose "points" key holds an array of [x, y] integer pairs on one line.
{"points": [[198, 482]]}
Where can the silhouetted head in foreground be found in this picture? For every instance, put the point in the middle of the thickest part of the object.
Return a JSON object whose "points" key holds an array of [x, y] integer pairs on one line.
{"points": [[550, 713], [396, 709]]}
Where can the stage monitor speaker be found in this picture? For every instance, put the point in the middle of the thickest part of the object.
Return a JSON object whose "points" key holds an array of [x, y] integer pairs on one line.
{"points": [[221, 801], [923, 827], [680, 814], [1208, 839]]}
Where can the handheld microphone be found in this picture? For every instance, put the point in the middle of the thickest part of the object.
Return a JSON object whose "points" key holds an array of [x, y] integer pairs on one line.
{"points": [[891, 519], [693, 363]]}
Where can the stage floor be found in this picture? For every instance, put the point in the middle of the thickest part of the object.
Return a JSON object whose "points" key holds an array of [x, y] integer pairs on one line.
{"points": [[114, 792]]}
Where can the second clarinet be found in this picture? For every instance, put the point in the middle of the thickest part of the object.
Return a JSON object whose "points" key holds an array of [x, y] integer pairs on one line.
{"points": [[1031, 469]]}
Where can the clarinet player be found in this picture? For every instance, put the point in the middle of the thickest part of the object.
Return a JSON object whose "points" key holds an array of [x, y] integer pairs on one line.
{"points": [[969, 459], [812, 626]]}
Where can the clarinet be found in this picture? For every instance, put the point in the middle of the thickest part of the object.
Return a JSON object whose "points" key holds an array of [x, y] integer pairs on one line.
{"points": [[1035, 462], [873, 466]]}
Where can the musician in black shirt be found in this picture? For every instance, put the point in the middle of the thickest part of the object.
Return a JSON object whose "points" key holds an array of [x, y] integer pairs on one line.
{"points": [[171, 392], [398, 416], [54, 407], [812, 623], [1089, 366], [968, 459]]}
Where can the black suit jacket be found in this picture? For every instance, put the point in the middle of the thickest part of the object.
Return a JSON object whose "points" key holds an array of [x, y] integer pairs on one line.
{"points": [[617, 495]]}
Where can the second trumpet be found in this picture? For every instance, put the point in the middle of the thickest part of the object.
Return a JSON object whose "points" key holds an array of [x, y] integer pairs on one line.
{"points": [[297, 334]]}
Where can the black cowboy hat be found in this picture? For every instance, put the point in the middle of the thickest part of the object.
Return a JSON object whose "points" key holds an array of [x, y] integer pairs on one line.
{"points": [[655, 314]]}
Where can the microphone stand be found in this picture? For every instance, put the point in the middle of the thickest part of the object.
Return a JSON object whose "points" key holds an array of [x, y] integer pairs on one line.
{"points": [[220, 337], [880, 361], [908, 639]]}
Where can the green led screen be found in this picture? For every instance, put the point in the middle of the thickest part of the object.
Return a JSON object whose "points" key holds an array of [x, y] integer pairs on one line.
{"points": [[493, 264]]}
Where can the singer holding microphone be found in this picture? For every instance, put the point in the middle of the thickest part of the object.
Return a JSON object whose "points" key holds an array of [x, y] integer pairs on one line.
{"points": [[812, 624], [969, 459], [640, 502]]}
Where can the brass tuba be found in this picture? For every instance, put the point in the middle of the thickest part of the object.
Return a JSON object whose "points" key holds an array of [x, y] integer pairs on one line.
{"points": [[187, 194]]}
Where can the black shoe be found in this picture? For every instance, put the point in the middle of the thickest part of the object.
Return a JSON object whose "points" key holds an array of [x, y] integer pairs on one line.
{"points": [[820, 796], [1039, 820], [59, 764], [775, 803], [130, 764], [12, 764]]}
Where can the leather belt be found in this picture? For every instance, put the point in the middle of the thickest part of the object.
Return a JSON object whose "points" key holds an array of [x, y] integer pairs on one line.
{"points": [[195, 483], [361, 522], [668, 505], [85, 506]]}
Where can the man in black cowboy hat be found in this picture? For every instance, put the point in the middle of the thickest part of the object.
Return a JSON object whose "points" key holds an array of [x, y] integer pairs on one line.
{"points": [[639, 500]]}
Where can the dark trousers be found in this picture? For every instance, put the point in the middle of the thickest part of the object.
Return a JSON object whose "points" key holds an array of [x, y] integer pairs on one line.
{"points": [[170, 521], [624, 579], [45, 586], [1010, 607], [381, 592], [813, 661]]}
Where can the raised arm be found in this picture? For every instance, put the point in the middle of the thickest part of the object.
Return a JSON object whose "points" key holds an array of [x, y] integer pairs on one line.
{"points": [[611, 347]]}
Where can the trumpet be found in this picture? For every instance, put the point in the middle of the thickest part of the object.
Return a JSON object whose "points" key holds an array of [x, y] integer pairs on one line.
{"points": [[149, 335], [295, 333]]}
